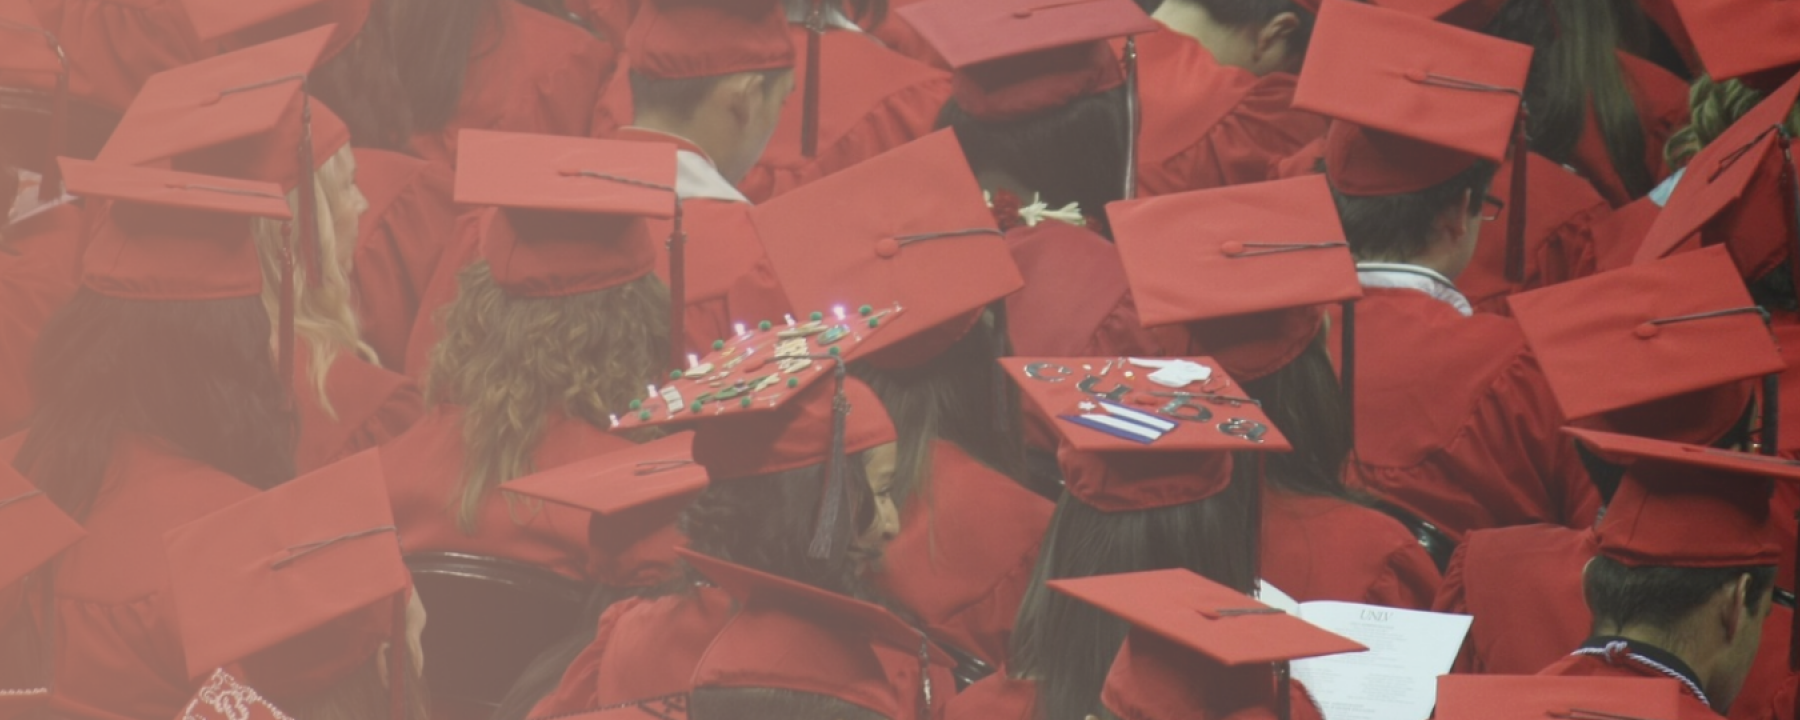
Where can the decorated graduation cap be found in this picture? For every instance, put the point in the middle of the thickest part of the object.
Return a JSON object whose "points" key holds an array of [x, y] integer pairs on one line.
{"points": [[1752, 40], [573, 212], [297, 586], [32, 528], [788, 635], [170, 235], [939, 254], [1187, 632], [1659, 349], [676, 39], [241, 23], [1417, 102], [760, 404], [1513, 697], [634, 494], [33, 57], [1738, 192]]}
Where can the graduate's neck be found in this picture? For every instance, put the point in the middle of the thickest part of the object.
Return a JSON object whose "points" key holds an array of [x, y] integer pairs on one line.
{"points": [[1708, 657], [715, 139]]}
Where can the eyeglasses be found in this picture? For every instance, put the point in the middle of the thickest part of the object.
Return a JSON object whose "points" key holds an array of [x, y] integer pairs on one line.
{"points": [[1491, 207]]}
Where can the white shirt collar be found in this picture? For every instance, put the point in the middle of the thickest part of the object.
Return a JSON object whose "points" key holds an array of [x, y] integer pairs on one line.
{"points": [[1413, 277], [697, 177], [26, 204], [1660, 194]]}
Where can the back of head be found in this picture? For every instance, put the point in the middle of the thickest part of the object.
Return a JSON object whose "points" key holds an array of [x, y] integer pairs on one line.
{"points": [[434, 41], [1073, 153]]}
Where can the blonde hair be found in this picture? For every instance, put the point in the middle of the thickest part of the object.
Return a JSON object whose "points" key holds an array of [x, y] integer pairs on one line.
{"points": [[323, 315], [1714, 106], [510, 361]]}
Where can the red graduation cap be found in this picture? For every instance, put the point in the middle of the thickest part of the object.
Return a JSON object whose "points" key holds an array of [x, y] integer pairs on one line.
{"points": [[1418, 102], [634, 495], [242, 23], [938, 254], [224, 697], [1512, 697], [674, 39], [1251, 279], [32, 528], [1612, 343], [1466, 14], [788, 635], [1738, 38], [298, 585], [32, 57], [1733, 193], [1691, 506], [575, 208], [1014, 58], [171, 235], [1192, 638]]}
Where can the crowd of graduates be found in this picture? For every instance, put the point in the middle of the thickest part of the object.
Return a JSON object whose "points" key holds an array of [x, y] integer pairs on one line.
{"points": [[894, 359]]}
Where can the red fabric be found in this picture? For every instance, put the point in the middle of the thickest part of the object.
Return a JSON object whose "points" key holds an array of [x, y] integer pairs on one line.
{"points": [[798, 434], [403, 234], [1018, 87], [673, 39], [729, 279], [1174, 684], [898, 34], [118, 651], [644, 648], [534, 254], [461, 249], [963, 558], [532, 73], [1318, 548], [1618, 234], [369, 406], [1661, 101], [424, 469], [1455, 422], [1559, 242], [995, 697], [1208, 125], [1768, 689], [113, 46], [34, 283], [1691, 708], [1075, 303], [1491, 570], [871, 100]]}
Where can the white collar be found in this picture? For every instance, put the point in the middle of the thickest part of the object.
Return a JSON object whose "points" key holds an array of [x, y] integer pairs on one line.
{"points": [[799, 10], [697, 177], [1413, 277], [26, 205]]}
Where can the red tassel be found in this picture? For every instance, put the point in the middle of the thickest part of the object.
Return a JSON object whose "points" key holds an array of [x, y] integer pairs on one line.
{"points": [[309, 198], [1132, 121], [809, 118], [1515, 218], [677, 290], [284, 335]]}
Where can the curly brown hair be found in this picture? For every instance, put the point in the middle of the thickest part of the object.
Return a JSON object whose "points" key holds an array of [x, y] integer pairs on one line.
{"points": [[1715, 107], [511, 361]]}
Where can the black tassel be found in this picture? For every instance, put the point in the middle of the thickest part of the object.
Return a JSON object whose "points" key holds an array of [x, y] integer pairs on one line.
{"points": [[827, 531], [1515, 219], [1347, 369], [1132, 120]]}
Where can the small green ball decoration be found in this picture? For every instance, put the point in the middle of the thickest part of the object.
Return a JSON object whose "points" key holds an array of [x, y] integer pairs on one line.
{"points": [[874, 323], [744, 403], [637, 404], [793, 382], [817, 316], [675, 374], [866, 310], [836, 351], [718, 345], [644, 416], [764, 325]]}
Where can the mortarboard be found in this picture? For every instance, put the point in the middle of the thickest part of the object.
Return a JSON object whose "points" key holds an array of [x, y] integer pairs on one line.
{"points": [[788, 635], [1265, 250], [1417, 102], [674, 39], [758, 407], [1691, 506], [574, 208], [1748, 39], [939, 254], [1465, 14], [1737, 192], [297, 585], [1186, 633], [1612, 343], [1517, 697], [1014, 58], [242, 23], [32, 528], [172, 236], [634, 495]]}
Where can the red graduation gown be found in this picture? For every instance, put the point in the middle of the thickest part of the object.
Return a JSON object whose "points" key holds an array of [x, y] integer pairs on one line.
{"points": [[1208, 125], [1560, 212], [1454, 421], [895, 32], [118, 653], [34, 283], [424, 469], [409, 222], [1689, 707], [462, 250], [1661, 101], [369, 406], [528, 73], [644, 648], [872, 100], [998, 697], [113, 46], [1491, 576], [965, 552], [1619, 234], [1319, 548]]}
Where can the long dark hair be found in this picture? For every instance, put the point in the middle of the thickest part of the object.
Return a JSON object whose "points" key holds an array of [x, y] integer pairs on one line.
{"points": [[362, 85], [957, 396], [1066, 646], [1304, 399], [196, 374], [1575, 70], [1074, 153], [433, 41], [773, 704], [763, 522]]}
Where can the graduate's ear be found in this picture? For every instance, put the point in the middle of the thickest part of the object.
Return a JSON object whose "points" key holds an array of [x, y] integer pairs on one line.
{"points": [[742, 93], [1735, 614], [1273, 42], [1451, 223]]}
